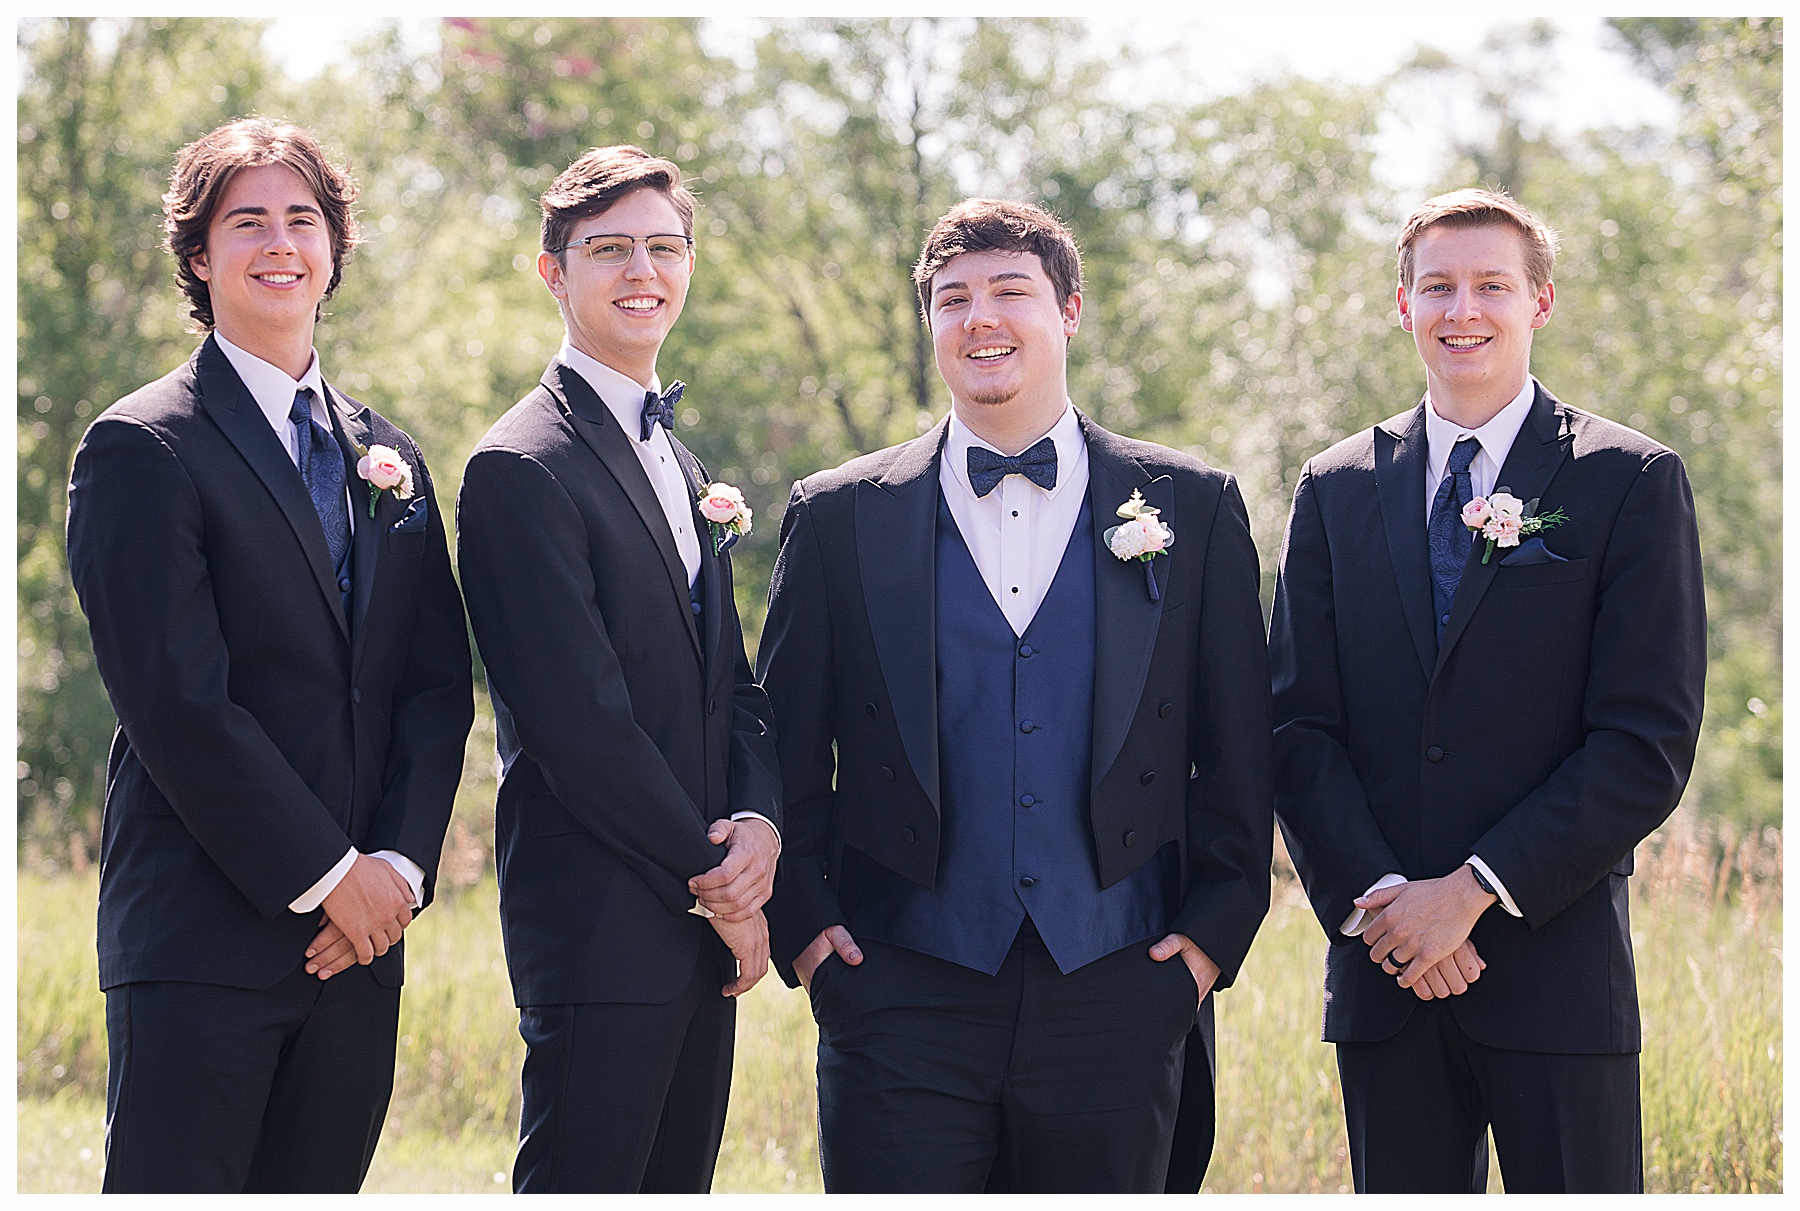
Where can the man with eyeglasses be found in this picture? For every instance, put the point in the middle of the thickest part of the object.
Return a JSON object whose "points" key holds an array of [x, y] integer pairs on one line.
{"points": [[636, 824]]}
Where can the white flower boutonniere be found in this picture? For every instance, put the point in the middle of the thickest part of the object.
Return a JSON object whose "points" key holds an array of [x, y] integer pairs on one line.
{"points": [[1503, 519], [726, 514], [1142, 536], [385, 471]]}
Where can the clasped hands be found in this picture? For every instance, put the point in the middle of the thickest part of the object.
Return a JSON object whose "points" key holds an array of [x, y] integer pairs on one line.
{"points": [[1421, 928], [735, 890], [365, 914]]}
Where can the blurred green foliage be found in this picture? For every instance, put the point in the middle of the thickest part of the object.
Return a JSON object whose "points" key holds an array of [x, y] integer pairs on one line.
{"points": [[1238, 257]]}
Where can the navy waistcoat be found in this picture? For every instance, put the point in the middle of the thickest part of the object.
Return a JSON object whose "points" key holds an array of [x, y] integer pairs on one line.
{"points": [[1015, 722]]}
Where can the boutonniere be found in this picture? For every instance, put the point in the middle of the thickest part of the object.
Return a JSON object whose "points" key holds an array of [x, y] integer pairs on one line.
{"points": [[1142, 536], [726, 514], [385, 471], [1503, 519]]}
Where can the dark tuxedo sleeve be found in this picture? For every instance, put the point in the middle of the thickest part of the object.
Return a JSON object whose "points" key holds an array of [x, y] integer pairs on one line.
{"points": [[138, 560], [1331, 833], [527, 575], [1641, 715], [795, 663], [433, 707], [1229, 828]]}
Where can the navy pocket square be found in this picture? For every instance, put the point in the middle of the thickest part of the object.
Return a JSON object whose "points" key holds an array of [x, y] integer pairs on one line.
{"points": [[413, 520], [1531, 551]]}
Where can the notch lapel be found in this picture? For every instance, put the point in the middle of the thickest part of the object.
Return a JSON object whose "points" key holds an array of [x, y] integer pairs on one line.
{"points": [[1400, 469], [1531, 464], [896, 552], [231, 406], [1125, 619], [594, 422]]}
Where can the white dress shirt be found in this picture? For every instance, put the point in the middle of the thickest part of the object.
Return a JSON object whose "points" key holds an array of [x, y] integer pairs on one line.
{"points": [[624, 398], [274, 392], [1496, 438], [1017, 533]]}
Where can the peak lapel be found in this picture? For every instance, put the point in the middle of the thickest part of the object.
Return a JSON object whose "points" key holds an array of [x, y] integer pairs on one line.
{"points": [[1531, 464], [1400, 457], [712, 562], [896, 552], [352, 421], [231, 406], [594, 422], [1125, 619]]}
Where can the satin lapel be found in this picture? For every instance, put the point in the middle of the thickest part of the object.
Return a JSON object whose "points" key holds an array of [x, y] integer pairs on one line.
{"points": [[595, 424], [1400, 470], [1531, 464], [365, 532], [234, 410], [1125, 619], [712, 564], [896, 551]]}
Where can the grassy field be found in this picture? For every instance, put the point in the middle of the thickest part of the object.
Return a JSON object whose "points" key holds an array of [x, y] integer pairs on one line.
{"points": [[1707, 925]]}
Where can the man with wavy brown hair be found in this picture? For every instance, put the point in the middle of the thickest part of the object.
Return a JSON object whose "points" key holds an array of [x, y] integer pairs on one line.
{"points": [[265, 572]]}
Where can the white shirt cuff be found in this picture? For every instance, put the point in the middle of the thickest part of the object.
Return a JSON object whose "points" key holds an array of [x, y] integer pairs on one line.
{"points": [[765, 820], [409, 870], [1358, 920], [315, 895], [1487, 872]]}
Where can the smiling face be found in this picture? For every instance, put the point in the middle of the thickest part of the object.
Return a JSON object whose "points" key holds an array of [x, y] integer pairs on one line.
{"points": [[267, 264], [1001, 341], [1472, 310], [619, 315]]}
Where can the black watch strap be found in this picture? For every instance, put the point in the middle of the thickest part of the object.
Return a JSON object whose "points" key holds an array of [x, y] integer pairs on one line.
{"points": [[1480, 881]]}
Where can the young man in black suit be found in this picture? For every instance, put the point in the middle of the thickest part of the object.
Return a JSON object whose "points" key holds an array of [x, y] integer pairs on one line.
{"points": [[639, 801], [1025, 754], [283, 643], [1489, 651]]}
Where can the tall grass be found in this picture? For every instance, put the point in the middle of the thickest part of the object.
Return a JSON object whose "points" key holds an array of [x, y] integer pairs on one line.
{"points": [[1706, 920]]}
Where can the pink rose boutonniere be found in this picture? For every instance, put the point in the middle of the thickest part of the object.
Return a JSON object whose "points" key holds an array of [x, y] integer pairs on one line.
{"points": [[1142, 536], [1503, 519], [385, 471], [726, 514]]}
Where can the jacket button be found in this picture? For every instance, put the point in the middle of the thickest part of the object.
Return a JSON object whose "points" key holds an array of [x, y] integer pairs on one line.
{"points": [[1028, 727], [712, 705], [1434, 753], [355, 694], [887, 771], [908, 834], [1165, 710], [1129, 838], [1026, 800], [873, 711], [1027, 881], [1147, 777]]}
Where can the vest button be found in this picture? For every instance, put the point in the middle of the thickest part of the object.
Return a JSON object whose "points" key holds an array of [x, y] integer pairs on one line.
{"points": [[873, 711], [1147, 777], [1434, 753], [908, 834], [1027, 881], [1026, 650], [1129, 838], [1028, 727], [344, 584], [887, 771], [1026, 800], [1165, 710]]}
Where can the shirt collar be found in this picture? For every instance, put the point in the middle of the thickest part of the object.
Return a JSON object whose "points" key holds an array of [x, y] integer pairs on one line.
{"points": [[1065, 434], [269, 385], [1496, 437], [622, 394]]}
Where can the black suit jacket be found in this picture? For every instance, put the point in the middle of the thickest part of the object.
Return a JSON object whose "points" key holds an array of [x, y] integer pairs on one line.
{"points": [[1180, 723], [262, 732], [1550, 732], [627, 729]]}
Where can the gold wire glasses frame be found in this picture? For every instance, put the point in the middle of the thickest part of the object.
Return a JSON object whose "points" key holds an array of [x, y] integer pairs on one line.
{"points": [[617, 249]]}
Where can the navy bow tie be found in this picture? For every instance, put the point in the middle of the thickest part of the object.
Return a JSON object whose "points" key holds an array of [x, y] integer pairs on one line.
{"points": [[988, 467], [660, 409]]}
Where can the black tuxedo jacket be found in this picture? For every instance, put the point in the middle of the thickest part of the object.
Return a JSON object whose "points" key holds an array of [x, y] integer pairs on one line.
{"points": [[626, 728], [262, 732], [1180, 724], [1550, 732]]}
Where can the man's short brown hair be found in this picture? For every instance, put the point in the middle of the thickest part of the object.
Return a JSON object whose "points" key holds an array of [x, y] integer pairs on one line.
{"points": [[992, 225], [203, 171], [598, 179], [1481, 208]]}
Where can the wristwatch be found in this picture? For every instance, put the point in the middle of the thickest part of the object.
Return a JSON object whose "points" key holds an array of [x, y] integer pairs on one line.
{"points": [[1481, 882]]}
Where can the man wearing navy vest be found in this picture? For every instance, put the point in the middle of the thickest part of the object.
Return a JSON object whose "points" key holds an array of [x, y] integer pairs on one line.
{"points": [[1015, 666]]}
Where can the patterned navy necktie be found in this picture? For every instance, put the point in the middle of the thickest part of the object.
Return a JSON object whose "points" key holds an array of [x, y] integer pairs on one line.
{"points": [[322, 471], [660, 410], [1450, 540], [988, 467]]}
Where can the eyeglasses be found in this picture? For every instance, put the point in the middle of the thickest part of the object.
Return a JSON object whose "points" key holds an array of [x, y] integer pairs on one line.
{"points": [[617, 249]]}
